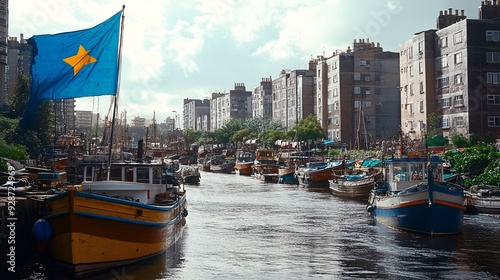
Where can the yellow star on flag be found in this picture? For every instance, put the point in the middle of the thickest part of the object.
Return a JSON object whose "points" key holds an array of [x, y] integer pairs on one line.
{"points": [[79, 60]]}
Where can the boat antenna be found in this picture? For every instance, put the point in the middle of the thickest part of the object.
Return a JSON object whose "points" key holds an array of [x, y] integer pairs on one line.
{"points": [[115, 108]]}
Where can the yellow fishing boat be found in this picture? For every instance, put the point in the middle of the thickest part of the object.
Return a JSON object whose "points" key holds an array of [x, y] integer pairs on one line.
{"points": [[100, 225]]}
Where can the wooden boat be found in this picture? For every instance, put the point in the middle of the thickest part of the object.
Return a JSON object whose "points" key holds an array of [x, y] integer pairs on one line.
{"points": [[204, 164], [244, 162], [417, 199], [286, 175], [189, 174], [100, 225], [318, 174], [485, 199], [265, 163], [219, 164], [356, 186]]}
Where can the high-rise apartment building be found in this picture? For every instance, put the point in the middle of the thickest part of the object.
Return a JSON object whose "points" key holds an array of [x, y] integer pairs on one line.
{"points": [[292, 95], [19, 60], [237, 104], [262, 105], [459, 94], [357, 94], [195, 111]]}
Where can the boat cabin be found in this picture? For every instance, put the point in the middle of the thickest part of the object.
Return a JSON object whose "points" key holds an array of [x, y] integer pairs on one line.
{"points": [[139, 182], [405, 172], [146, 173]]}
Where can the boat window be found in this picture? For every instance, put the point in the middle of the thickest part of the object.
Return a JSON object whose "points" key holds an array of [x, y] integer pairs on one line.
{"points": [[417, 173], [115, 174], [400, 172], [142, 175], [129, 174], [157, 175]]}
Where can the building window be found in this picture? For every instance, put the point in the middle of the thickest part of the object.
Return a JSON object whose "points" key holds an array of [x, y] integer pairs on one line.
{"points": [[458, 58], [367, 92], [420, 47], [357, 90], [420, 67], [492, 35], [357, 104], [446, 102], [411, 89], [458, 121], [458, 101], [421, 86], [493, 57], [493, 121], [443, 42], [357, 76], [411, 71], [457, 79], [362, 63], [445, 123], [444, 62], [335, 78], [443, 82], [421, 106], [493, 78], [493, 99], [411, 108], [410, 52], [457, 37]]}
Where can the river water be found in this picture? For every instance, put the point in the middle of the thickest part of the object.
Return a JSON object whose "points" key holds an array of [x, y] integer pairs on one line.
{"points": [[241, 228]]}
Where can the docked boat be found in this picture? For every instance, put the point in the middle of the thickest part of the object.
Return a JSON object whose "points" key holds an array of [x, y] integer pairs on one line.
{"points": [[485, 199], [356, 186], [266, 165], [318, 174], [102, 224], [244, 162], [219, 164], [204, 164], [286, 175], [189, 174], [415, 198]]}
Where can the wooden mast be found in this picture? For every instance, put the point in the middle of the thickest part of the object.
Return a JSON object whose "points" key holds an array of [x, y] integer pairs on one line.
{"points": [[115, 107]]}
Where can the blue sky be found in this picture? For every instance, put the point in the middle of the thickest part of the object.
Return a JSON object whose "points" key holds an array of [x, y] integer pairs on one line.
{"points": [[188, 49]]}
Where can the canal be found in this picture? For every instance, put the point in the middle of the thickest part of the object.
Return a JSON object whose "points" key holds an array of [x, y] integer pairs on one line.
{"points": [[241, 228]]}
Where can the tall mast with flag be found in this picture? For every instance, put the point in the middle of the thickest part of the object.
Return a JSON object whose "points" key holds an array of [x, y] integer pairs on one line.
{"points": [[77, 64]]}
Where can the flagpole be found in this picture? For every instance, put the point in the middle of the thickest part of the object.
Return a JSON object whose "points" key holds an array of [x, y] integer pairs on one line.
{"points": [[115, 108]]}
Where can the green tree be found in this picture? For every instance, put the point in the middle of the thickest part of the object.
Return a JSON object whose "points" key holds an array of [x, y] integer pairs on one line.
{"points": [[240, 136], [308, 129], [15, 152], [459, 141], [7, 127], [432, 125], [270, 136], [19, 100], [192, 136], [490, 176], [35, 127], [473, 160]]}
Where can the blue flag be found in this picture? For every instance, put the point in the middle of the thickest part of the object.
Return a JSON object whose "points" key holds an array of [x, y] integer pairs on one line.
{"points": [[76, 64]]}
